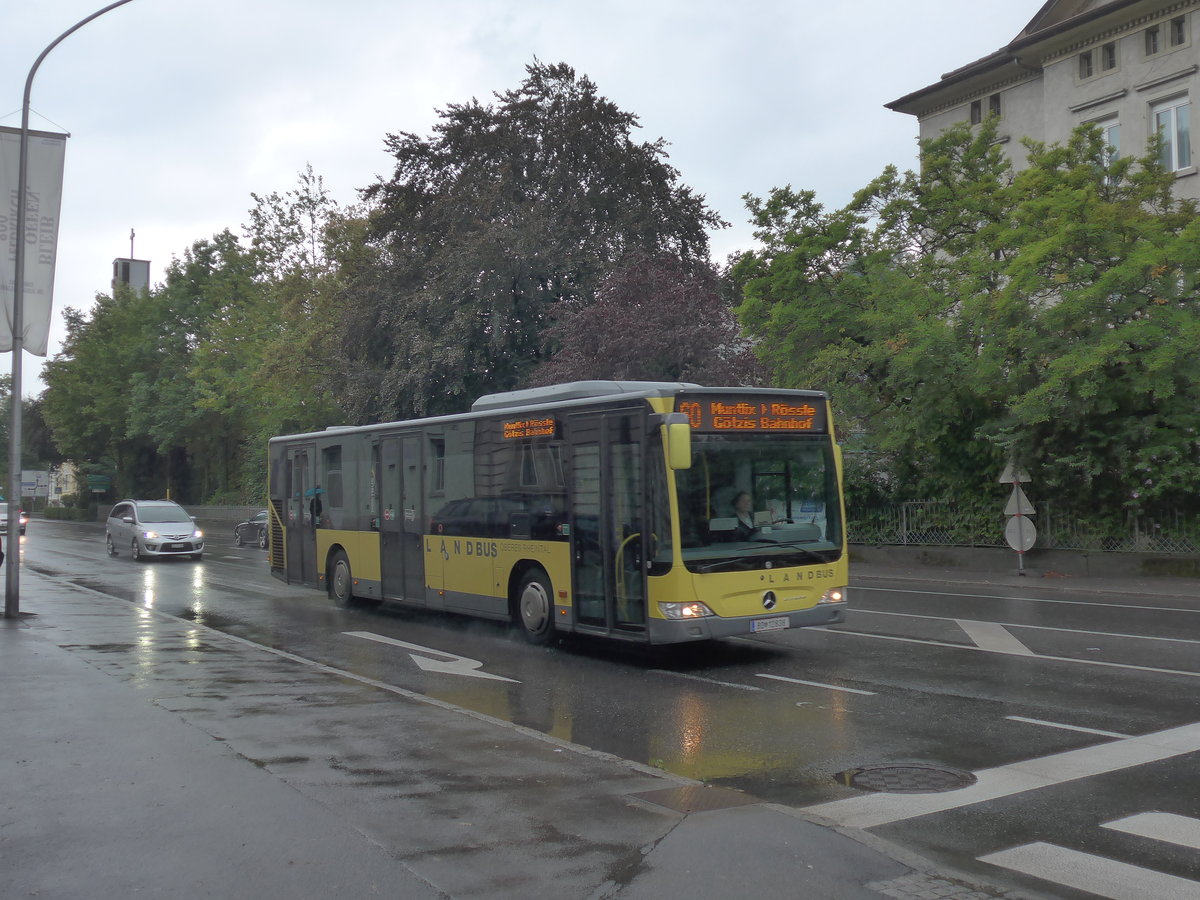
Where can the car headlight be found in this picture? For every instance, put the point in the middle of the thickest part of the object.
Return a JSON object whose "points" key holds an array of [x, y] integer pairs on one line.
{"points": [[833, 595], [150, 535], [694, 610], [197, 533]]}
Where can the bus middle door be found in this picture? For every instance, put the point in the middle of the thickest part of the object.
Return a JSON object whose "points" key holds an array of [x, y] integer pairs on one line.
{"points": [[301, 529], [401, 554], [607, 515]]}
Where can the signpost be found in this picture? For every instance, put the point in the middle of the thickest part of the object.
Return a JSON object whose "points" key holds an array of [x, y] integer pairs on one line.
{"points": [[1020, 533], [98, 484]]}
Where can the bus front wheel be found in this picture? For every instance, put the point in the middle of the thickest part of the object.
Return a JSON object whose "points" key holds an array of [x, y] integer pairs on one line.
{"points": [[341, 587], [535, 607]]}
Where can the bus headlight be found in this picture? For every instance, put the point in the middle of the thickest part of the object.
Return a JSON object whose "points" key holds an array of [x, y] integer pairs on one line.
{"points": [[685, 610], [833, 595]]}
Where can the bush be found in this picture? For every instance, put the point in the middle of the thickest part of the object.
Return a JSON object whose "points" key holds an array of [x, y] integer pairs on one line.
{"points": [[71, 513]]}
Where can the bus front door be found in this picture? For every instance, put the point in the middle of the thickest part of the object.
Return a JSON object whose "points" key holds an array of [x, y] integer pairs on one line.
{"points": [[607, 514], [301, 529], [401, 529]]}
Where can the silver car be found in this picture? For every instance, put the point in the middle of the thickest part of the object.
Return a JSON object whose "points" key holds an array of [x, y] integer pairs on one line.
{"points": [[4, 518], [151, 528]]}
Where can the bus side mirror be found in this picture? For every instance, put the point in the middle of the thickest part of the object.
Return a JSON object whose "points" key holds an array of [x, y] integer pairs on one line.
{"points": [[679, 441]]}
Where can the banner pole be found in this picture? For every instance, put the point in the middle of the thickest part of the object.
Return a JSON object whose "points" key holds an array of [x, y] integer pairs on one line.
{"points": [[12, 563]]}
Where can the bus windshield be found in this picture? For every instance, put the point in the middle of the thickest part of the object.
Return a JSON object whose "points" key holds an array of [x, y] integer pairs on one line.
{"points": [[759, 501]]}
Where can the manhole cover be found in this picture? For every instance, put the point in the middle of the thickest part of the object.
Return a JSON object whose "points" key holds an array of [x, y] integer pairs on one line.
{"points": [[909, 779]]}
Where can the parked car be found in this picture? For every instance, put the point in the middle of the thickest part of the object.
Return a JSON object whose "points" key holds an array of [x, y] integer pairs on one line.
{"points": [[152, 528], [4, 518], [253, 531]]}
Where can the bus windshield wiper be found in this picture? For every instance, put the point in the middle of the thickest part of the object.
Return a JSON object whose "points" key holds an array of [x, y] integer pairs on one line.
{"points": [[743, 561], [752, 558], [793, 545]]}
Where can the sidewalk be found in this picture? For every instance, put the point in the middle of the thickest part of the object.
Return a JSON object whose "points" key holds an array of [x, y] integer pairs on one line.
{"points": [[875, 571], [145, 755]]}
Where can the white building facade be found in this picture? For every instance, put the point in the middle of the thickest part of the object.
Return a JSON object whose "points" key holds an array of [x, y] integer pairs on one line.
{"points": [[1130, 66]]}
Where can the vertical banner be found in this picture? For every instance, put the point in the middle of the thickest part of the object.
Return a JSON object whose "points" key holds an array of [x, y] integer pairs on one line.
{"points": [[43, 183]]}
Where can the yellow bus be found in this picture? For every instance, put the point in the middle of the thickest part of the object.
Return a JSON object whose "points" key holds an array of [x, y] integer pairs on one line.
{"points": [[640, 511]]}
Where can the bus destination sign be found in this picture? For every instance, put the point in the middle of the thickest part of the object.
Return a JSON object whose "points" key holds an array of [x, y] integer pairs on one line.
{"points": [[746, 414], [529, 428]]}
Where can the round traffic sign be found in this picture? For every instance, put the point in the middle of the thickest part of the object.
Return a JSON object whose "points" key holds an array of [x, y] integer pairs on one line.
{"points": [[1020, 533]]}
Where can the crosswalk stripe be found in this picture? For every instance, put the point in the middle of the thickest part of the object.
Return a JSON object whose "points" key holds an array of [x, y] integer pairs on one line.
{"points": [[1168, 827], [1096, 874], [871, 810], [1065, 727]]}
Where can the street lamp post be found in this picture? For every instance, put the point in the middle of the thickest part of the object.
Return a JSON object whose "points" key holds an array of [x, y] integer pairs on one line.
{"points": [[12, 574]]}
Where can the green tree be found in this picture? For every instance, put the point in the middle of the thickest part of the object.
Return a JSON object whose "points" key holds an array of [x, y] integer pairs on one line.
{"points": [[1105, 358], [505, 211], [965, 314], [267, 362], [180, 387], [39, 442], [87, 400]]}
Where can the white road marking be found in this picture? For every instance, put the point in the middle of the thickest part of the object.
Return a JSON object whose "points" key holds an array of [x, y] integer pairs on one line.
{"points": [[830, 687], [1039, 656], [448, 664], [870, 810], [1095, 874], [889, 590], [1168, 827], [1112, 634], [1113, 734], [994, 637], [728, 684]]}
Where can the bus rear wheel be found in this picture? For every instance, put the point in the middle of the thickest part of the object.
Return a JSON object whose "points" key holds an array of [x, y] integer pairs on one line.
{"points": [[535, 607], [341, 586]]}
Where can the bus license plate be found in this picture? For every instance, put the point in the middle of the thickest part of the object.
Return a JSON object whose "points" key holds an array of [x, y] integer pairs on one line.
{"points": [[777, 624]]}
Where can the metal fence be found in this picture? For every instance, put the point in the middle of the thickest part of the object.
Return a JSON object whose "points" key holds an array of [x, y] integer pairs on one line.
{"points": [[981, 524]]}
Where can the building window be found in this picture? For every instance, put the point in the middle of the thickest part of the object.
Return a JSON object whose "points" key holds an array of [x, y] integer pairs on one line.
{"points": [[1178, 31], [994, 105], [1173, 120], [976, 112], [1112, 139], [1151, 40], [1110, 129], [1085, 65], [1108, 56]]}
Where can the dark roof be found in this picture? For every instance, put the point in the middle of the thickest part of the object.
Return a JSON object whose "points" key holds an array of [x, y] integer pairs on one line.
{"points": [[1054, 18]]}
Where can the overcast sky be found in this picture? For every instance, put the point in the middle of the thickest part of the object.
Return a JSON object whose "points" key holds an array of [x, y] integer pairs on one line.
{"points": [[179, 109]]}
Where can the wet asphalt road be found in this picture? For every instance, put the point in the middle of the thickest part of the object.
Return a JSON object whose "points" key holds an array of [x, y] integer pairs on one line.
{"points": [[936, 680]]}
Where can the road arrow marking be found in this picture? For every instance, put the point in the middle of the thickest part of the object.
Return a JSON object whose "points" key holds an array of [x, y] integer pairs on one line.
{"points": [[448, 664]]}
